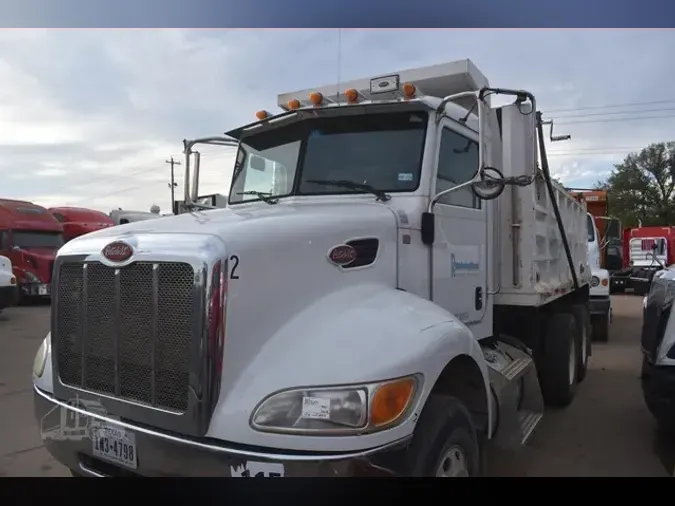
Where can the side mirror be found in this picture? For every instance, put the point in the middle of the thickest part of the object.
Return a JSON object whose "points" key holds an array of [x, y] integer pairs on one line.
{"points": [[257, 162], [490, 185], [428, 228]]}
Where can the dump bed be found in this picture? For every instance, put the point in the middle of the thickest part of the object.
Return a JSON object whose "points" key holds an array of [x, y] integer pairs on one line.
{"points": [[534, 267]]}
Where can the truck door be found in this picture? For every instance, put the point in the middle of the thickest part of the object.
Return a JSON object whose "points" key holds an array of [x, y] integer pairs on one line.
{"points": [[459, 256]]}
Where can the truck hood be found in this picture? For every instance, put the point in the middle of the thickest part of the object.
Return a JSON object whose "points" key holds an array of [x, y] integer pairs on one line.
{"points": [[244, 220]]}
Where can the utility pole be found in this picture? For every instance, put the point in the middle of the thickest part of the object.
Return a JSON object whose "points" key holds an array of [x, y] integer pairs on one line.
{"points": [[172, 184]]}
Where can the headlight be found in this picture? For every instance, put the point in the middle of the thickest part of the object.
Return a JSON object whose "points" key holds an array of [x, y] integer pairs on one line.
{"points": [[340, 410], [41, 357], [595, 281]]}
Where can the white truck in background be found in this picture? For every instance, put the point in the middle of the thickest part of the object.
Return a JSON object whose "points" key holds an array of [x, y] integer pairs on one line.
{"points": [[9, 290], [600, 300], [413, 287]]}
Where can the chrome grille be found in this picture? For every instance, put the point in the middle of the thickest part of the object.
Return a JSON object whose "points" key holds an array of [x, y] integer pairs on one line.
{"points": [[126, 332]]}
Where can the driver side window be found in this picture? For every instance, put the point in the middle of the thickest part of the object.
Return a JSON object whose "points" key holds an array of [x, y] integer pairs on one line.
{"points": [[457, 163]]}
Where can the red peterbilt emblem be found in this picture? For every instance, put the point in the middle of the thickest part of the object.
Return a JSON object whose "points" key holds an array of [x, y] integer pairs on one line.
{"points": [[342, 255], [117, 251]]}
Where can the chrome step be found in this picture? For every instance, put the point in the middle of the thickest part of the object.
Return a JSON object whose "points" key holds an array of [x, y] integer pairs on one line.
{"points": [[528, 422], [515, 368]]}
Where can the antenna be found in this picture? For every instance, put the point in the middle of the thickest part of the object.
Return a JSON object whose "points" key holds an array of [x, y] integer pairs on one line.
{"points": [[339, 64]]}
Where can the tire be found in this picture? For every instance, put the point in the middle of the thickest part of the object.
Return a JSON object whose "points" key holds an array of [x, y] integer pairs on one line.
{"points": [[600, 325], [444, 434], [582, 318], [558, 360]]}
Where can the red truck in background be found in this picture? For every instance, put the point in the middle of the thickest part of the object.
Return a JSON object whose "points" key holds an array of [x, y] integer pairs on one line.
{"points": [[77, 221], [646, 251], [30, 237]]}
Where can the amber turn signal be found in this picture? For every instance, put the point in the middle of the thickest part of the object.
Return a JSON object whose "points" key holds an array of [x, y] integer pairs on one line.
{"points": [[390, 401]]}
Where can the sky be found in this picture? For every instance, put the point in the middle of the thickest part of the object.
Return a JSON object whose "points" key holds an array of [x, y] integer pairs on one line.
{"points": [[89, 117]]}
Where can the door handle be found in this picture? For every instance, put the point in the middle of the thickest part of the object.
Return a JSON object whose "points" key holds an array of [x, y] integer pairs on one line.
{"points": [[478, 299]]}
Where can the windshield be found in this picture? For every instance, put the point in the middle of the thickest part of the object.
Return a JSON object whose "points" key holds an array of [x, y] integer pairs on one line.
{"points": [[591, 228], [382, 150], [25, 239]]}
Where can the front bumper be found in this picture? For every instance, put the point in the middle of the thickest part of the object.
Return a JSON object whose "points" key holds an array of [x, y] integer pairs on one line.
{"points": [[658, 388], [66, 430], [8, 296], [36, 289], [599, 304]]}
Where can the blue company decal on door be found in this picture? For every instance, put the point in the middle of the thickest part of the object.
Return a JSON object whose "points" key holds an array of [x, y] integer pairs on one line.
{"points": [[458, 267]]}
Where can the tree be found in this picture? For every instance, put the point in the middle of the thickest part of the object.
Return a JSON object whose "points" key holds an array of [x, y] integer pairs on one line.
{"points": [[641, 189]]}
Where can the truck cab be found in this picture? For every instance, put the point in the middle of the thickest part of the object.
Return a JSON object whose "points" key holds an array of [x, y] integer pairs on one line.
{"points": [[395, 281], [77, 221], [30, 237], [601, 305]]}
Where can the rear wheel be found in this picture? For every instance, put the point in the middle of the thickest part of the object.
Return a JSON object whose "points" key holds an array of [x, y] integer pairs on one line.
{"points": [[583, 320], [559, 360], [445, 443]]}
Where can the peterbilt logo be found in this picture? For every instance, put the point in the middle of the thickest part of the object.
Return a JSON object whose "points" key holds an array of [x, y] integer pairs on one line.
{"points": [[342, 255], [117, 251]]}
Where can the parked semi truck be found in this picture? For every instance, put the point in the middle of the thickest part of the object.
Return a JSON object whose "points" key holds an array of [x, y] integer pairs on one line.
{"points": [[9, 291], [610, 235], [77, 221], [29, 237], [418, 288], [601, 302], [647, 250]]}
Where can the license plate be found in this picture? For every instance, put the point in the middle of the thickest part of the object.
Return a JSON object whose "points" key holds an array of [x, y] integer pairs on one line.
{"points": [[115, 444], [43, 290]]}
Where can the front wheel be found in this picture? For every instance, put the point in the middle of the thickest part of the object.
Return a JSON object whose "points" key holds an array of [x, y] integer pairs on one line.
{"points": [[445, 444]]}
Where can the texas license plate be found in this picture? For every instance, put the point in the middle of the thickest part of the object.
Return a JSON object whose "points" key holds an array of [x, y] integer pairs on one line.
{"points": [[115, 444]]}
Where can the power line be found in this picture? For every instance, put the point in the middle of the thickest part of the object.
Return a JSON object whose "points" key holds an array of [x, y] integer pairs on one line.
{"points": [[614, 120], [630, 104], [586, 115]]}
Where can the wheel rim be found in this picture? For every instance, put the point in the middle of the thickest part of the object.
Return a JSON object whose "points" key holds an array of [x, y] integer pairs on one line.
{"points": [[573, 360], [453, 464]]}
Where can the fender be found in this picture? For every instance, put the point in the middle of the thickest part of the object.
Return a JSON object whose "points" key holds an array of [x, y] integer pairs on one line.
{"points": [[360, 334]]}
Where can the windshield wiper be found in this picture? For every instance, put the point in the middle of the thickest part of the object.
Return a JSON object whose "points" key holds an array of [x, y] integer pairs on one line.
{"points": [[266, 197], [352, 186]]}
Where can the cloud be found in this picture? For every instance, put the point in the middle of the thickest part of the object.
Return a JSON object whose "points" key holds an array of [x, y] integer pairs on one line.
{"points": [[89, 117]]}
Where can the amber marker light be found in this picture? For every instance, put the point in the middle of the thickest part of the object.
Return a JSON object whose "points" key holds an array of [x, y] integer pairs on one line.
{"points": [[316, 98], [293, 104], [261, 115], [409, 90], [390, 401], [352, 96]]}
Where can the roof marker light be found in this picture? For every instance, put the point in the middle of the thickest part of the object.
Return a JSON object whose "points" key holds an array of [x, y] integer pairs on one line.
{"points": [[261, 115], [352, 96], [293, 104], [409, 90], [316, 98]]}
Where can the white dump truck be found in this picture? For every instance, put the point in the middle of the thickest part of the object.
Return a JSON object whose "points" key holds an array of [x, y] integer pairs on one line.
{"points": [[601, 302], [395, 283]]}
